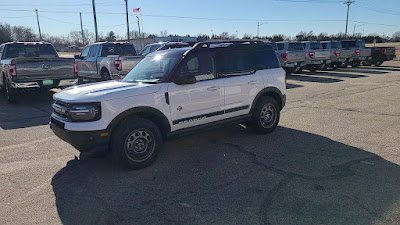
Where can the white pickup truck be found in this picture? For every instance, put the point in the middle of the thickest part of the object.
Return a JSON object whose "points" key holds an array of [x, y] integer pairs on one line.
{"points": [[171, 92], [106, 61]]}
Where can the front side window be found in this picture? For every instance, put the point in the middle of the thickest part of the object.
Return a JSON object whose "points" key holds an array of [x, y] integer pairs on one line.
{"points": [[93, 51], [201, 66], [153, 69], [85, 52]]}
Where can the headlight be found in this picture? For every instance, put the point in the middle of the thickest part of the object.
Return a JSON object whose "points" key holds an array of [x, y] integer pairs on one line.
{"points": [[84, 112]]}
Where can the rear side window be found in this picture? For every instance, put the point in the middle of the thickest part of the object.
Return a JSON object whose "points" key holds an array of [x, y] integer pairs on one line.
{"points": [[281, 46], [118, 49], [295, 47], [233, 62], [34, 50], [261, 60], [237, 61]]}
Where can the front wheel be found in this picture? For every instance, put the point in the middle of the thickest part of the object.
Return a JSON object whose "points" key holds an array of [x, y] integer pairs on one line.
{"points": [[136, 143], [265, 115], [105, 75]]}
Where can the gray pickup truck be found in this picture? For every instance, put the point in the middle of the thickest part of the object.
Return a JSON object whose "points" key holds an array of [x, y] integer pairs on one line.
{"points": [[359, 51], [291, 55], [28, 65], [316, 56], [339, 57], [106, 61]]}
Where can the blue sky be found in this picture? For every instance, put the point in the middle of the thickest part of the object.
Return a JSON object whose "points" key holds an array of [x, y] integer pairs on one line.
{"points": [[287, 17]]}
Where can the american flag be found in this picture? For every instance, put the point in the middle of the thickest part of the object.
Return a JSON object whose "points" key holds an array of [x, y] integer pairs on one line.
{"points": [[136, 10]]}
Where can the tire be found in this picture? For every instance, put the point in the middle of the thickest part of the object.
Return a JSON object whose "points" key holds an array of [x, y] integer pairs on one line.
{"points": [[136, 143], [266, 115], [80, 81], [355, 65], [379, 63], [288, 71], [105, 75], [313, 69], [11, 94]]}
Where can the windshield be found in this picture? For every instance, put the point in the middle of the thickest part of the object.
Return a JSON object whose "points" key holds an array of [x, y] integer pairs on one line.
{"points": [[152, 69], [295, 46], [29, 50], [315, 45], [118, 49]]}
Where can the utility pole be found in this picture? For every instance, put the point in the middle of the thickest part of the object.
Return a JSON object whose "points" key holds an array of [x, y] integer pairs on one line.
{"points": [[258, 29], [348, 3], [83, 35], [127, 19], [95, 22], [38, 24], [140, 36]]}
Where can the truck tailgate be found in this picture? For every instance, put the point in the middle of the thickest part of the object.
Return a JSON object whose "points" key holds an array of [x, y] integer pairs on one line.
{"points": [[322, 54], [128, 62], [365, 52], [34, 69], [295, 56], [344, 54]]}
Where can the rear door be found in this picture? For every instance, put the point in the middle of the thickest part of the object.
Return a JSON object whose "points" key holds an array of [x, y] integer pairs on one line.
{"points": [[201, 102]]}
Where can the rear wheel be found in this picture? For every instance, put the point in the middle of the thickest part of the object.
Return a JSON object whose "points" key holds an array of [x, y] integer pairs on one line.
{"points": [[265, 115], [11, 94], [289, 71], [356, 64], [136, 143], [379, 63], [105, 75]]}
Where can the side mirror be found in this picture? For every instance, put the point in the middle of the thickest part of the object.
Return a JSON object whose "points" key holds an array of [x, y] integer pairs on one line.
{"points": [[185, 79], [77, 57]]}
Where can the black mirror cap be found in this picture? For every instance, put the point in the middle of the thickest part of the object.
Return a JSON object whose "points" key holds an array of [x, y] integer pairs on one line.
{"points": [[187, 79], [77, 57]]}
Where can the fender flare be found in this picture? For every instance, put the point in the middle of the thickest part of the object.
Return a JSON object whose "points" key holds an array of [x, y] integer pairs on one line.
{"points": [[272, 92], [144, 112]]}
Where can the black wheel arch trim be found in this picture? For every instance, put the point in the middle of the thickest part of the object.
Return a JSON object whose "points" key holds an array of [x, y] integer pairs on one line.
{"points": [[272, 92], [145, 112]]}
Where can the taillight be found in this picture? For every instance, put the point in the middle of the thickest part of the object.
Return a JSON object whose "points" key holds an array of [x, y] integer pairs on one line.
{"points": [[118, 64], [383, 51], [337, 53], [284, 56], [357, 51], [12, 70], [75, 67], [311, 54]]}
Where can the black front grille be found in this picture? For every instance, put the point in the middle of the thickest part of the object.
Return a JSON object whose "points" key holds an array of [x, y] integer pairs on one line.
{"points": [[60, 108]]}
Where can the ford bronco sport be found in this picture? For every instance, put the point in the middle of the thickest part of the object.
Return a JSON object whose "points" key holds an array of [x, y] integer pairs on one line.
{"points": [[173, 92]]}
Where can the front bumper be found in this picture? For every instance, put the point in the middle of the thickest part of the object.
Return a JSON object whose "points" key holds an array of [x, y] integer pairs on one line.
{"points": [[83, 141], [39, 84]]}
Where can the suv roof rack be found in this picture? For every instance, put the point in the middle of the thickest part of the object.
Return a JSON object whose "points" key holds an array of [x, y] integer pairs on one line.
{"points": [[227, 43]]}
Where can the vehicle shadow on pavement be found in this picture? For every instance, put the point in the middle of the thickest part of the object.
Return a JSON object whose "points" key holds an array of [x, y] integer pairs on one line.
{"points": [[291, 86], [33, 108], [312, 78], [365, 70], [340, 75], [232, 176]]}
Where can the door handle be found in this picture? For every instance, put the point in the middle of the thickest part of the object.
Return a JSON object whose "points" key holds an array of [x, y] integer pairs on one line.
{"points": [[213, 88], [253, 82]]}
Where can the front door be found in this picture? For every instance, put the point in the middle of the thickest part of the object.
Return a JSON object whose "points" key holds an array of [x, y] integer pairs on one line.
{"points": [[201, 102]]}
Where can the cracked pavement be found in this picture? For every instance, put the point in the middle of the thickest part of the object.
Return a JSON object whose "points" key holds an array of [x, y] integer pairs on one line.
{"points": [[334, 159]]}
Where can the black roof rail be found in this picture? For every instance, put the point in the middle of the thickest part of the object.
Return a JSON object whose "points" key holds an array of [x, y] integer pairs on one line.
{"points": [[229, 43]]}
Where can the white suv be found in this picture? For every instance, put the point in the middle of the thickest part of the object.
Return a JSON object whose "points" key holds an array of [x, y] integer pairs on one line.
{"points": [[172, 92]]}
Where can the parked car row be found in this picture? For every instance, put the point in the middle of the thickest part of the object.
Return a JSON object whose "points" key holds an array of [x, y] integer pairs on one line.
{"points": [[316, 55], [26, 65]]}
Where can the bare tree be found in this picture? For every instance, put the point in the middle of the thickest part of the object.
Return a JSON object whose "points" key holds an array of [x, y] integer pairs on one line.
{"points": [[164, 33]]}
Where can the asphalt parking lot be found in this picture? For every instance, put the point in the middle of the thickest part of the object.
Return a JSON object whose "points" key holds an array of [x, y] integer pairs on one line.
{"points": [[334, 159]]}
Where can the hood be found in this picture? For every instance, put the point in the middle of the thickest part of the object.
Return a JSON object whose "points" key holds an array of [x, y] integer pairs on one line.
{"points": [[104, 91]]}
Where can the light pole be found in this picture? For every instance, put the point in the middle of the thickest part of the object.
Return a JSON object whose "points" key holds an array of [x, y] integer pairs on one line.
{"points": [[258, 28], [354, 31]]}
